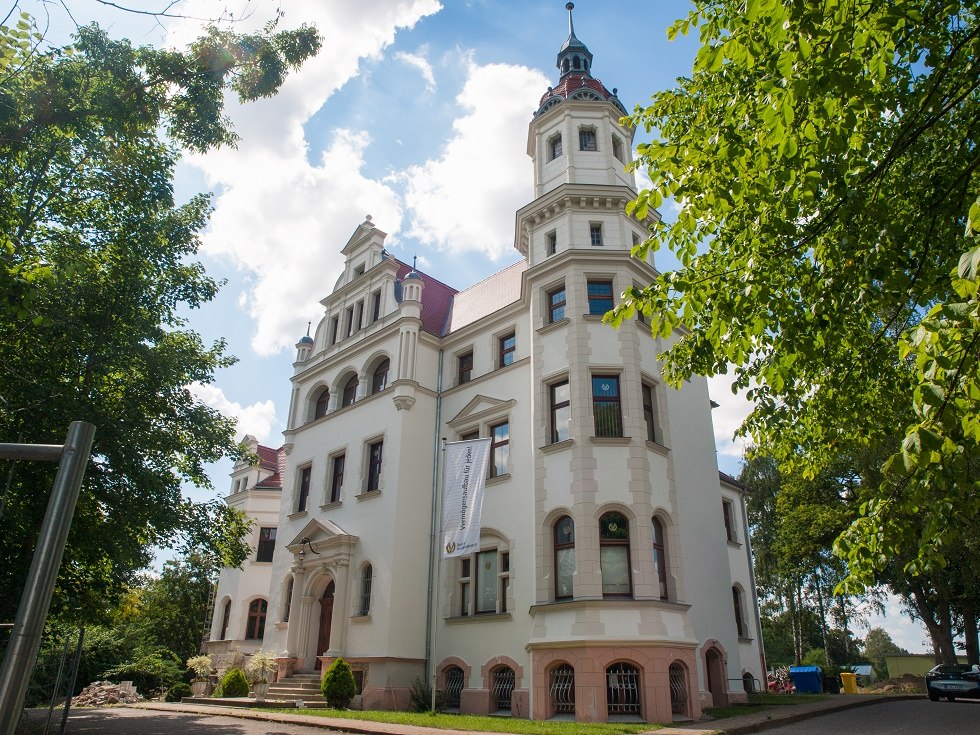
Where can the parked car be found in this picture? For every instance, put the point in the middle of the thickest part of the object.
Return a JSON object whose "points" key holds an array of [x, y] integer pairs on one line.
{"points": [[952, 681]]}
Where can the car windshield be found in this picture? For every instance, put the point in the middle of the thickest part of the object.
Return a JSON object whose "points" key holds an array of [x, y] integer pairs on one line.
{"points": [[951, 669]]}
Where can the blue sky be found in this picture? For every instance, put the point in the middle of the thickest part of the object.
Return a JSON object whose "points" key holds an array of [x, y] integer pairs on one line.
{"points": [[415, 112]]}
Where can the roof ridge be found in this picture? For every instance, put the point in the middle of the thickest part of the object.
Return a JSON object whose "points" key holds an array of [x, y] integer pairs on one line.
{"points": [[522, 261]]}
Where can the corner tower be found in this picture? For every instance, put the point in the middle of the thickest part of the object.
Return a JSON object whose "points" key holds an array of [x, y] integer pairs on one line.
{"points": [[580, 152]]}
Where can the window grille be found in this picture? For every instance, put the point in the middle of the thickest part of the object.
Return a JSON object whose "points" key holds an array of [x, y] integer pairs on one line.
{"points": [[678, 690], [503, 687], [622, 690], [563, 689], [454, 686]]}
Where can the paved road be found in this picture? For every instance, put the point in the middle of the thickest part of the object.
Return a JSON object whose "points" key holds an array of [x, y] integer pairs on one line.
{"points": [[904, 717], [126, 721]]}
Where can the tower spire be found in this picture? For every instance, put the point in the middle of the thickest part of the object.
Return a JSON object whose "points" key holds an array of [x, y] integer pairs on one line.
{"points": [[574, 56]]}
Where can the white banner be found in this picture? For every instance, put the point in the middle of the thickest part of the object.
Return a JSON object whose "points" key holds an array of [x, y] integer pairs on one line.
{"points": [[462, 498]]}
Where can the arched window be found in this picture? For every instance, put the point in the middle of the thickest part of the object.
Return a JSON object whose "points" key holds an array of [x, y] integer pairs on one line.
{"points": [[614, 555], [288, 600], [561, 688], [350, 392], [320, 407], [364, 607], [255, 628], [379, 381], [225, 617], [622, 690], [564, 557], [660, 557], [678, 689], [748, 683], [502, 687], [737, 604], [454, 686]]}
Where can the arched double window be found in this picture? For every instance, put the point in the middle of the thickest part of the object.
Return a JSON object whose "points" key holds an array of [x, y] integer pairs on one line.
{"points": [[350, 391], [379, 379], [564, 558], [614, 555], [321, 404]]}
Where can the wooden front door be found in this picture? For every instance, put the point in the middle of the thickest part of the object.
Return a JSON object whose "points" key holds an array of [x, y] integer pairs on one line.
{"points": [[326, 615]]}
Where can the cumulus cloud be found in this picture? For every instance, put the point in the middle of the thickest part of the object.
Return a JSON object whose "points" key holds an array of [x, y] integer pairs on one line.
{"points": [[278, 216], [419, 62], [465, 200], [731, 412], [256, 419]]}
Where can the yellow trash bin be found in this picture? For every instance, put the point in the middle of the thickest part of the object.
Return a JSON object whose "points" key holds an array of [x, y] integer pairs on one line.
{"points": [[850, 683]]}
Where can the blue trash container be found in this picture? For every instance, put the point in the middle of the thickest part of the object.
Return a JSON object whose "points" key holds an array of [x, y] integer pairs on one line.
{"points": [[807, 679]]}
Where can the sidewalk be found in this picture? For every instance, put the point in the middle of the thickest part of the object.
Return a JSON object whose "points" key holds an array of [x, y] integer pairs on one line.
{"points": [[757, 722]]}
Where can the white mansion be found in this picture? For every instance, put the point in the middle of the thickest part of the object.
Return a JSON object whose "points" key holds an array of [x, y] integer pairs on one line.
{"points": [[614, 574]]}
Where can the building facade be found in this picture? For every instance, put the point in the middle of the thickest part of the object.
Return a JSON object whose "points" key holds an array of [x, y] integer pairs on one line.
{"points": [[614, 575]]}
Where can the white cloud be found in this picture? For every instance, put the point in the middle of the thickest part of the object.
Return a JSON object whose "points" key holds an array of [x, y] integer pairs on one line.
{"points": [[256, 419], [731, 412], [422, 64], [466, 199], [277, 215]]}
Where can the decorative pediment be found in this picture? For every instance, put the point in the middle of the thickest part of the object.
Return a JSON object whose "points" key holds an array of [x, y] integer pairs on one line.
{"points": [[481, 408], [318, 535]]}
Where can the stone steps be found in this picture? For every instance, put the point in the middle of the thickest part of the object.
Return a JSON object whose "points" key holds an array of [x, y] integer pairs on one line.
{"points": [[303, 686]]}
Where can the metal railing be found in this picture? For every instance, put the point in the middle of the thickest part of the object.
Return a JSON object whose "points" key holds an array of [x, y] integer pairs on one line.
{"points": [[562, 689]]}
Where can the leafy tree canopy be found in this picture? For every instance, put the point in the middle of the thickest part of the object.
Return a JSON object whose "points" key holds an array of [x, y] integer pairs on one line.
{"points": [[96, 264], [824, 159]]}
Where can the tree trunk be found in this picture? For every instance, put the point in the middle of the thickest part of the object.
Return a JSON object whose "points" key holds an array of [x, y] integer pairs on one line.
{"points": [[938, 625], [970, 634], [823, 622]]}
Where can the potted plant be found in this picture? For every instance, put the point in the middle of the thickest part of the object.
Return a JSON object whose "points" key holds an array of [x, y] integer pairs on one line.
{"points": [[260, 667], [201, 666]]}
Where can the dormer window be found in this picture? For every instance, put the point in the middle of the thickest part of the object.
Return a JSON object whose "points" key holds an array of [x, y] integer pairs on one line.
{"points": [[554, 147], [587, 139]]}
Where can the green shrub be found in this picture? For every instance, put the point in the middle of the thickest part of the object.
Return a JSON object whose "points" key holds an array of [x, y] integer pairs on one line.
{"points": [[177, 692], [338, 684], [234, 684], [421, 696], [149, 672]]}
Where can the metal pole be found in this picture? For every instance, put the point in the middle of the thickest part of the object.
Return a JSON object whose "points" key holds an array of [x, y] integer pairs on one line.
{"points": [[71, 681], [435, 627], [25, 640]]}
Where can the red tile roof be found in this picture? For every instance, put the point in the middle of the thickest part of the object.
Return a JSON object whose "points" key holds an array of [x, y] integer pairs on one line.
{"points": [[437, 298], [268, 457], [572, 83]]}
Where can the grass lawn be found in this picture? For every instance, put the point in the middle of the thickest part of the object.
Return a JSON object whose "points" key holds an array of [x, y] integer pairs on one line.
{"points": [[472, 723]]}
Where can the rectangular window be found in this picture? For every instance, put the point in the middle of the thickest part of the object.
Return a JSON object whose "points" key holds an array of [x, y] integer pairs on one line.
{"points": [[606, 406], [337, 478], [469, 435], [267, 544], [600, 296], [334, 329], [561, 412], [617, 146], [508, 347], [729, 512], [464, 371], [349, 321], [595, 234], [556, 305], [587, 140], [304, 488], [504, 577], [650, 413], [554, 147], [486, 582], [464, 587], [552, 241], [376, 306], [499, 449], [374, 466], [358, 316]]}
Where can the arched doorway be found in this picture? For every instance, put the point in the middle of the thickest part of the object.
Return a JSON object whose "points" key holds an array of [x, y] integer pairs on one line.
{"points": [[715, 669], [326, 616]]}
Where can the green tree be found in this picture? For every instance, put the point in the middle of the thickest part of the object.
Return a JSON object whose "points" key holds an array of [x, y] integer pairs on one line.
{"points": [[825, 163], [96, 268], [877, 645], [338, 685]]}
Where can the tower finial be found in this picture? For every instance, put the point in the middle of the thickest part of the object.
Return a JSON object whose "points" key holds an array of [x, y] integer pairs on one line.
{"points": [[569, 7], [308, 325], [414, 261]]}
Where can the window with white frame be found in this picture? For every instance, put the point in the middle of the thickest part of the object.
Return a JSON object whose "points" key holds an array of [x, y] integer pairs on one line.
{"points": [[303, 491], [267, 544], [650, 413], [556, 304], [552, 242], [374, 455], [728, 511], [606, 406], [595, 234], [484, 582], [561, 411], [614, 555], [587, 139], [564, 547], [500, 449], [660, 557]]}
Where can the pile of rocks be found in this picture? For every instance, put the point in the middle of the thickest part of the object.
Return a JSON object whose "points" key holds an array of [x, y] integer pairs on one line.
{"points": [[102, 693]]}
